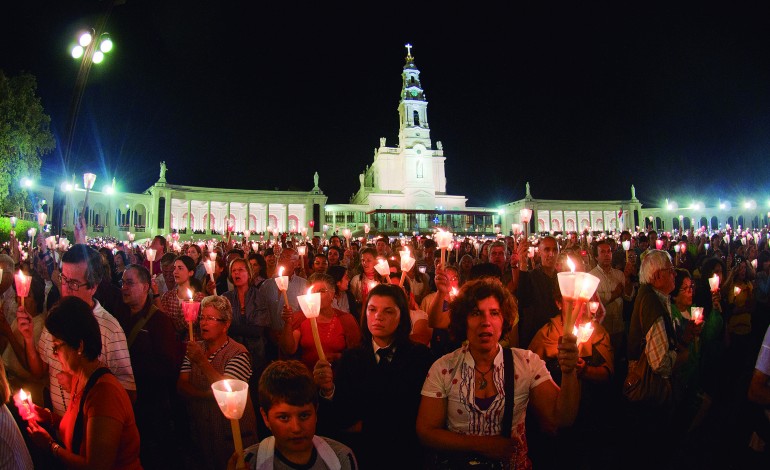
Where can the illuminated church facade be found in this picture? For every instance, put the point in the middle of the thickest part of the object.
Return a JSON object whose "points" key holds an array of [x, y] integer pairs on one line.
{"points": [[402, 191]]}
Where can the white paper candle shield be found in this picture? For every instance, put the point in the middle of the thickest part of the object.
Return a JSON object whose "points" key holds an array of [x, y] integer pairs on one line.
{"points": [[714, 283], [310, 303], [281, 281], [231, 396], [696, 314], [150, 254], [525, 215], [382, 267], [301, 250]]}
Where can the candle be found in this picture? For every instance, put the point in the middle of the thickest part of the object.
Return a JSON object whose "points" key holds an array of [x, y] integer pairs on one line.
{"points": [[303, 231], [13, 221], [593, 306], [301, 250], [212, 255], [754, 263], [23, 402], [407, 262], [246, 234], [583, 332], [190, 310], [443, 240], [696, 314], [626, 246], [41, 218], [659, 244], [311, 307], [131, 236], [282, 282], [32, 232], [150, 254], [453, 293], [346, 234], [736, 291], [714, 283], [382, 267], [22, 285], [210, 264], [231, 396]]}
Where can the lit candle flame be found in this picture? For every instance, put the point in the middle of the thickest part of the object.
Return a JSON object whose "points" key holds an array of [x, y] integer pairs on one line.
{"points": [[570, 264], [189, 294]]}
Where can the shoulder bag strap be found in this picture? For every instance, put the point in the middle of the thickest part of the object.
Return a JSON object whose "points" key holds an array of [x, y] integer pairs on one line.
{"points": [[77, 433], [140, 324], [509, 382]]}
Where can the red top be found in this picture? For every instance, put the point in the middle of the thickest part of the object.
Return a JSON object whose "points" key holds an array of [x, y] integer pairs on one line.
{"points": [[108, 399], [337, 335]]}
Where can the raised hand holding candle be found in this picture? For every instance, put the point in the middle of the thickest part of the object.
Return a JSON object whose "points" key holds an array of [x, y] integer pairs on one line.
{"points": [[282, 282], [525, 215], [88, 182], [714, 283], [231, 396], [22, 285], [190, 310], [311, 307]]}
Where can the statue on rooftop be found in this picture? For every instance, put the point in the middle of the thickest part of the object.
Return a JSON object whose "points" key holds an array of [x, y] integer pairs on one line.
{"points": [[162, 171], [315, 182]]}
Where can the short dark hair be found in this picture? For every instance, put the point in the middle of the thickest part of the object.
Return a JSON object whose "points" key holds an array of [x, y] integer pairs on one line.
{"points": [[80, 253], [286, 382], [72, 321], [467, 300], [404, 328], [483, 270]]}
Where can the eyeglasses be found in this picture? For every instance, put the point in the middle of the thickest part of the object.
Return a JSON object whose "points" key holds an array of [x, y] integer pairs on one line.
{"points": [[211, 319], [72, 284]]}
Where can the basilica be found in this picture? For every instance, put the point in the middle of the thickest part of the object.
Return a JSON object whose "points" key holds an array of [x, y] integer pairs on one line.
{"points": [[403, 190]]}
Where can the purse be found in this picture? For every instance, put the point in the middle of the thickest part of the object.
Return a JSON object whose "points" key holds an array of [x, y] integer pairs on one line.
{"points": [[464, 461], [643, 385]]}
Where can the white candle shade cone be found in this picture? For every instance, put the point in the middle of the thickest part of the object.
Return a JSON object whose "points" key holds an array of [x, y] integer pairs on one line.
{"points": [[531, 252], [382, 267], [407, 262], [714, 283], [281, 281], [736, 291], [190, 310], [366, 229], [303, 231], [696, 314], [593, 306], [659, 244], [626, 245], [13, 222], [567, 281], [676, 248], [583, 332], [587, 286], [525, 215], [41, 218], [231, 396], [706, 246], [310, 303], [209, 264], [64, 244], [50, 242], [516, 228], [302, 250], [88, 180], [32, 232], [443, 239], [131, 236], [754, 263], [22, 282], [213, 255], [150, 254], [346, 233]]}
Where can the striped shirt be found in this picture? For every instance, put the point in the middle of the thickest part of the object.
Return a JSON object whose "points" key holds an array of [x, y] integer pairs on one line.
{"points": [[114, 355], [238, 367]]}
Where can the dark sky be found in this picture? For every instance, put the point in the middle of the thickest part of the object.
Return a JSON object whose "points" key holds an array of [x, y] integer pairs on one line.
{"points": [[581, 101]]}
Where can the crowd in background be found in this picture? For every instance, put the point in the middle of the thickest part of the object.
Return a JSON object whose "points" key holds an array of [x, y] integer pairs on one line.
{"points": [[414, 372]]}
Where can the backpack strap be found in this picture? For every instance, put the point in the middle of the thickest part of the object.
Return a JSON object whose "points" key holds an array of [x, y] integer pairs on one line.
{"points": [[140, 324], [508, 386], [77, 433]]}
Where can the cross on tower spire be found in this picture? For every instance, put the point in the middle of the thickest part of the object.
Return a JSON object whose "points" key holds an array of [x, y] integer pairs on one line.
{"points": [[408, 49]]}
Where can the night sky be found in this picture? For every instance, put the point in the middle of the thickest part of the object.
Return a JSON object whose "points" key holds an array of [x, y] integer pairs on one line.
{"points": [[581, 102]]}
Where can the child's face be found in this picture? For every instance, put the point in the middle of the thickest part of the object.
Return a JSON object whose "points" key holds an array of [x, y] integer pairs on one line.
{"points": [[292, 426]]}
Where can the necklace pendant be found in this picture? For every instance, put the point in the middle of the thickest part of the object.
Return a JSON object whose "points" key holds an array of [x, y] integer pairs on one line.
{"points": [[483, 383]]}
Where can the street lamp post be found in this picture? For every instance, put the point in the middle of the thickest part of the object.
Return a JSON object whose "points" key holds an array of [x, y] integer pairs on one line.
{"points": [[89, 52]]}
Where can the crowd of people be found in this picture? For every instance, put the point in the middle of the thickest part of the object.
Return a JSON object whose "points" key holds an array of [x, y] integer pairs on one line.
{"points": [[459, 360]]}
